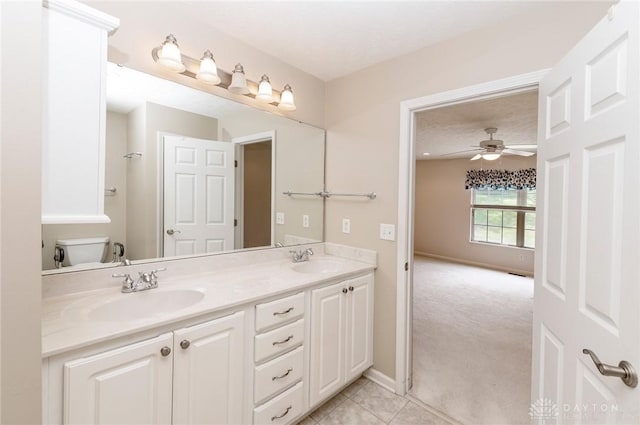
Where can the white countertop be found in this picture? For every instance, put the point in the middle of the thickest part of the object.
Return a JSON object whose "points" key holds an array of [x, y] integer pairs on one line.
{"points": [[67, 323]]}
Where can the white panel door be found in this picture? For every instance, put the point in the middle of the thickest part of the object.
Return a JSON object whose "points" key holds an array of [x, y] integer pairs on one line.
{"points": [[128, 385], [359, 333], [198, 196], [208, 372], [587, 276], [328, 314]]}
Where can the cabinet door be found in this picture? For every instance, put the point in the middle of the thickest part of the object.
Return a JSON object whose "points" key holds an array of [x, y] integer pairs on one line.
{"points": [[359, 336], [327, 341], [128, 385], [208, 372]]}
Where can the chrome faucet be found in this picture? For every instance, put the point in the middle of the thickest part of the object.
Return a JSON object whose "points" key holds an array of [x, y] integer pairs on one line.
{"points": [[300, 256], [146, 280]]}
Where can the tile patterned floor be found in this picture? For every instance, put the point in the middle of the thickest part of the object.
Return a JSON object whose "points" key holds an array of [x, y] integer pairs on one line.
{"points": [[367, 403]]}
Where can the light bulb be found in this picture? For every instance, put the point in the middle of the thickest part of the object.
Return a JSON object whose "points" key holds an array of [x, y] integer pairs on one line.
{"points": [[265, 93], [169, 56], [208, 73], [238, 81], [286, 99]]}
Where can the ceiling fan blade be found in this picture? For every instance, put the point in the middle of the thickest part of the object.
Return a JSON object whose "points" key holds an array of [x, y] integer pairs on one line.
{"points": [[516, 152], [521, 146], [478, 156], [455, 153]]}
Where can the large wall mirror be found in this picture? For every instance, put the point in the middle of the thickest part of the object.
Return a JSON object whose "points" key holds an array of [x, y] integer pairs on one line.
{"points": [[190, 173]]}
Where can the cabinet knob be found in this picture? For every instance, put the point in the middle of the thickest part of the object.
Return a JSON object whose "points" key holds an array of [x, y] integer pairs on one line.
{"points": [[344, 290], [351, 288], [185, 344], [165, 351]]}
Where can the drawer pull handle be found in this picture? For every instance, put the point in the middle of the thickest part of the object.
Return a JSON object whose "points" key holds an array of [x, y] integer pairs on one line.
{"points": [[165, 351], [350, 288], [279, 313], [289, 338], [284, 375], [273, 418], [185, 343], [345, 290]]}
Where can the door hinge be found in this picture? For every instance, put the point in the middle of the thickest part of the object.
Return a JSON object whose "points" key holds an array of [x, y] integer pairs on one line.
{"points": [[406, 266], [235, 163], [235, 222]]}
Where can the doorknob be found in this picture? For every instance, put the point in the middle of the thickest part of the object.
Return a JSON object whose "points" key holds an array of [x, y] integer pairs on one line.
{"points": [[624, 370], [170, 232]]}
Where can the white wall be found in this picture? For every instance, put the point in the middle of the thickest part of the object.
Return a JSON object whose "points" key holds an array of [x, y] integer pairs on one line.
{"points": [[144, 25], [20, 180], [115, 207], [362, 121], [442, 215]]}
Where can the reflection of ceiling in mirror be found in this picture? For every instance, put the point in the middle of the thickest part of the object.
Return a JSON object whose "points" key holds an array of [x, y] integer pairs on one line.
{"points": [[127, 89]]}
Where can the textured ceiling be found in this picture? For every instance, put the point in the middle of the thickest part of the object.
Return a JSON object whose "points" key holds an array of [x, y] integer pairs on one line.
{"points": [[444, 131], [330, 39]]}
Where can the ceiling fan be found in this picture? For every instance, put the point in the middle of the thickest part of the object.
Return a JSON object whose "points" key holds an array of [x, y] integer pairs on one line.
{"points": [[491, 149]]}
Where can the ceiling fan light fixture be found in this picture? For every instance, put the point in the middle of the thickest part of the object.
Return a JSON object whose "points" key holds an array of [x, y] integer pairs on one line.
{"points": [[491, 156]]}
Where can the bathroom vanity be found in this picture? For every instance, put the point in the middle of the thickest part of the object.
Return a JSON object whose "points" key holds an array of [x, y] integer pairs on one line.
{"points": [[243, 338]]}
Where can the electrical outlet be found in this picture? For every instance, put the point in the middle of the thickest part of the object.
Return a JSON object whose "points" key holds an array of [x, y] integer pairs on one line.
{"points": [[346, 225], [387, 232], [305, 220], [279, 218]]}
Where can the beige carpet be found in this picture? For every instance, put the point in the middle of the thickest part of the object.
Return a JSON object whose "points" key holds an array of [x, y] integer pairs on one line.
{"points": [[472, 342]]}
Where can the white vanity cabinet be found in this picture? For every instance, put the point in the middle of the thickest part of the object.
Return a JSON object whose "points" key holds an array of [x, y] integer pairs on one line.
{"points": [[128, 385], [208, 371], [74, 112], [197, 370], [279, 354], [341, 335]]}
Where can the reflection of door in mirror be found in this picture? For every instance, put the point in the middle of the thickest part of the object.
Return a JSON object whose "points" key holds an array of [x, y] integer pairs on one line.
{"points": [[198, 196], [255, 189]]}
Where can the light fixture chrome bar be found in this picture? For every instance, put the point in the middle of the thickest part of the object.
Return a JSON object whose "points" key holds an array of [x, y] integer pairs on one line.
{"points": [[192, 64]]}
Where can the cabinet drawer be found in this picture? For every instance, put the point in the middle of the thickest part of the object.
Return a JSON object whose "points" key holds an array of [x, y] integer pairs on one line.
{"points": [[278, 374], [279, 311], [282, 410], [279, 340]]}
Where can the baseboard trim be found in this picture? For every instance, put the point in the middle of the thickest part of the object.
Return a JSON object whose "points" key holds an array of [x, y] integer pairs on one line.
{"points": [[381, 379], [474, 263]]}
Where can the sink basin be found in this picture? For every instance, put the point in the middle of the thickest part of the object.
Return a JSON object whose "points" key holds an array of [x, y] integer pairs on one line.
{"points": [[319, 266], [144, 304]]}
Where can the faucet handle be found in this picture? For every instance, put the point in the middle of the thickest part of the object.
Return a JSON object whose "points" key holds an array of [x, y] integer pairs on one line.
{"points": [[309, 251], [156, 271], [127, 283]]}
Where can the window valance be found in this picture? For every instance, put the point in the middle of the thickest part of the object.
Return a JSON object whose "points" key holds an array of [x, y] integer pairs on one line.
{"points": [[501, 179]]}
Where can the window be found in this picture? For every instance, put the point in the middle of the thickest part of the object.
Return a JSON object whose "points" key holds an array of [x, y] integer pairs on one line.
{"points": [[504, 217]]}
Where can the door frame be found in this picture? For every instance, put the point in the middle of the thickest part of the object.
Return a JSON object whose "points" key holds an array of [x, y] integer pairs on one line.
{"points": [[239, 189], [406, 186]]}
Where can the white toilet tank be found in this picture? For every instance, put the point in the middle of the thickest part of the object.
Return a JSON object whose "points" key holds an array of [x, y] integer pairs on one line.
{"points": [[81, 251]]}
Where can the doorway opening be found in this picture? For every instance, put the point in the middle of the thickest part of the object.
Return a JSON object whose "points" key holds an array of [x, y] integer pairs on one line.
{"points": [[406, 221], [474, 240], [255, 190]]}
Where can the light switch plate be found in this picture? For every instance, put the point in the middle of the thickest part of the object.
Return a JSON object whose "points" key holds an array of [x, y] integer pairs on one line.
{"points": [[346, 225], [387, 232], [305, 220], [279, 218]]}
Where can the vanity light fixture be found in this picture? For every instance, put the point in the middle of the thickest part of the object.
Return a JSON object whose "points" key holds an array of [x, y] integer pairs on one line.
{"points": [[286, 99], [265, 91], [206, 71], [169, 55], [238, 81]]}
